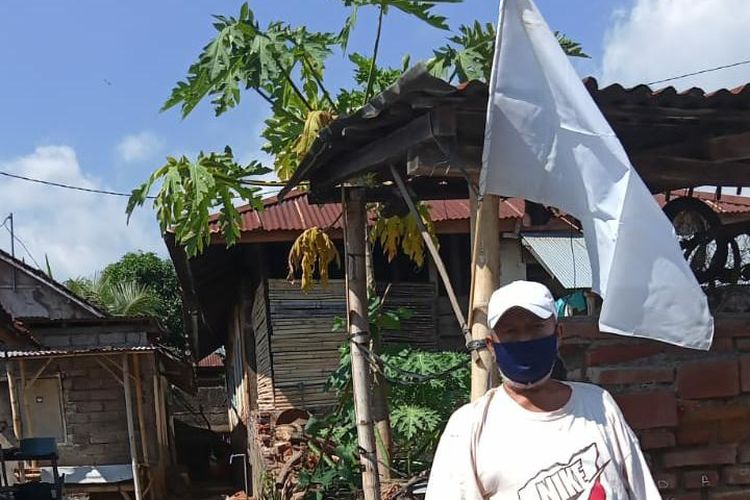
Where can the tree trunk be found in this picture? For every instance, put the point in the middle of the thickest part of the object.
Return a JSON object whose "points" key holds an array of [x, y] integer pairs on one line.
{"points": [[359, 335]]}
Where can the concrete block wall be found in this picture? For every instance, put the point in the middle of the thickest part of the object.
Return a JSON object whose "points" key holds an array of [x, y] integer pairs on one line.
{"points": [[94, 410], [690, 409]]}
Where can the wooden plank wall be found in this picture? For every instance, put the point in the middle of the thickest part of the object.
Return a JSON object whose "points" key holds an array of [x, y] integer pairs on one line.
{"points": [[264, 363], [420, 329], [303, 345], [296, 349]]}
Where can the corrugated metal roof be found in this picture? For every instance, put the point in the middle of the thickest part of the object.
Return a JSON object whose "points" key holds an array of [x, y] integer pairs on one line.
{"points": [[634, 114], [48, 353], [295, 213], [564, 256], [211, 361]]}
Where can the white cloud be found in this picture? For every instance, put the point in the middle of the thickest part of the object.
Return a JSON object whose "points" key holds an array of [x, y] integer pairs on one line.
{"points": [[140, 146], [80, 232], [658, 39]]}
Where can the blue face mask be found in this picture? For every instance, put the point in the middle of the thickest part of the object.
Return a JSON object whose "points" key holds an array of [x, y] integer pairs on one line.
{"points": [[527, 362]]}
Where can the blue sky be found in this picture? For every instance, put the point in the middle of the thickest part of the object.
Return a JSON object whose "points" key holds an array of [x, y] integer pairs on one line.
{"points": [[84, 80]]}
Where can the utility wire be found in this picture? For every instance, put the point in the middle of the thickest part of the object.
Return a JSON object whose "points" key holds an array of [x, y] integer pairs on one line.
{"points": [[282, 184], [708, 70], [64, 186], [117, 193]]}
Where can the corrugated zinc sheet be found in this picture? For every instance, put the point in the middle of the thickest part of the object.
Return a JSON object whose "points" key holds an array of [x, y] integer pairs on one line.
{"points": [[211, 361], [564, 256], [52, 353], [294, 213]]}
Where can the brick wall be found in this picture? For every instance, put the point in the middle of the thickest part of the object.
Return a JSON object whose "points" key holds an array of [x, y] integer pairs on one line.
{"points": [[94, 411], [690, 409]]}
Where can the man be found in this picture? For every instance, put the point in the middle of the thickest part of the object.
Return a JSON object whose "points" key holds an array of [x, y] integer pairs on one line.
{"points": [[536, 438]]}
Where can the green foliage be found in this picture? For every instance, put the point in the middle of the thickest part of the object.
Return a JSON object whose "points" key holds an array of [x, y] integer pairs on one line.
{"points": [[139, 284], [285, 65], [190, 190], [125, 298], [158, 275], [419, 411], [420, 9], [571, 48], [469, 54]]}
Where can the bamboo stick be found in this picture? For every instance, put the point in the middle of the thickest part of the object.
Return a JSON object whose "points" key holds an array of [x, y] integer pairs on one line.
{"points": [[359, 332], [131, 427], [160, 486], [29, 426], [14, 407], [141, 417]]}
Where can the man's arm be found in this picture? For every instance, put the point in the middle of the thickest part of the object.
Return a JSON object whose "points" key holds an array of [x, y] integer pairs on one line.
{"points": [[453, 475]]}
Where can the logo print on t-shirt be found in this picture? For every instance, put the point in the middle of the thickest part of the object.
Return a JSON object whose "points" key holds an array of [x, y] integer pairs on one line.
{"points": [[578, 479]]}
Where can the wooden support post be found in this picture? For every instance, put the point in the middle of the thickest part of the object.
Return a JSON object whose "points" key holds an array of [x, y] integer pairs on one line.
{"points": [[432, 248], [28, 427], [141, 416], [485, 277], [131, 426], [161, 451], [359, 336], [15, 409]]}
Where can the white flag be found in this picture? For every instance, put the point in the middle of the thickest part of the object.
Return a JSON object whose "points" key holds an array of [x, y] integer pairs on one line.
{"points": [[547, 141]]}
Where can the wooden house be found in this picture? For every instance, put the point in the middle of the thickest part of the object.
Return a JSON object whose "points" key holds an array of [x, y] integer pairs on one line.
{"points": [[97, 384], [278, 340]]}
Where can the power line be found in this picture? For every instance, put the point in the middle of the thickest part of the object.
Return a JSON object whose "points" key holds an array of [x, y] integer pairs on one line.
{"points": [[65, 186], [246, 182], [708, 70]]}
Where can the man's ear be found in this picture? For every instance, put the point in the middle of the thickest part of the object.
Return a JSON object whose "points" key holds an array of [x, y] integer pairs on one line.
{"points": [[488, 342], [559, 331]]}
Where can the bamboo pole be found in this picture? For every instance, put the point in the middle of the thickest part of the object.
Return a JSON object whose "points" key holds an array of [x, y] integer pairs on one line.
{"points": [[359, 335], [434, 253], [29, 426], [160, 448], [380, 411], [15, 409], [131, 427], [139, 410], [485, 277]]}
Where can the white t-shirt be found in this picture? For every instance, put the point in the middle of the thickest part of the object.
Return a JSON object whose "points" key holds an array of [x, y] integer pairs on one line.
{"points": [[495, 449]]}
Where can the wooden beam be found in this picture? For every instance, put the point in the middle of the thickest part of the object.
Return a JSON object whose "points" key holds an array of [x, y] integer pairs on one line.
{"points": [[161, 449], [669, 173], [434, 253], [721, 148], [141, 418], [131, 427], [380, 152], [39, 373], [29, 427], [15, 409], [109, 370]]}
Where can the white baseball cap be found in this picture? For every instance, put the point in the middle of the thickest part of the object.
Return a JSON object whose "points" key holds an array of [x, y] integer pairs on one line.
{"points": [[534, 297]]}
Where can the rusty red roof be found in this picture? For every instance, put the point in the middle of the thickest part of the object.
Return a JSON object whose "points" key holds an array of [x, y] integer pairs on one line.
{"points": [[295, 213], [211, 361]]}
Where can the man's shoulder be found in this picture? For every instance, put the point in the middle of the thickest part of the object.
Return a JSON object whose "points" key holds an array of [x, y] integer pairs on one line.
{"points": [[586, 390], [472, 410], [593, 396]]}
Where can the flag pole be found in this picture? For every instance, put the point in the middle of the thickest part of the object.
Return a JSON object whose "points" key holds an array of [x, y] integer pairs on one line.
{"points": [[485, 276]]}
